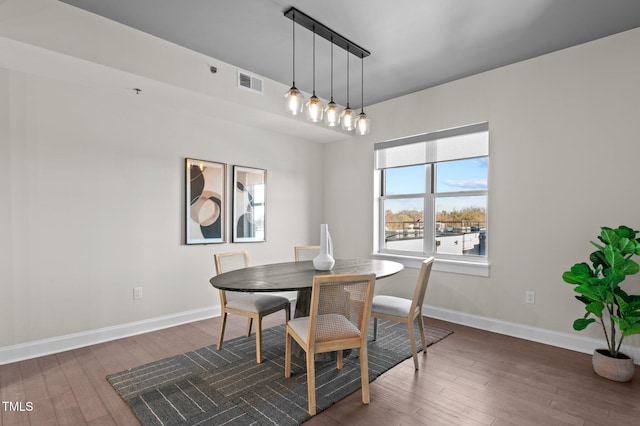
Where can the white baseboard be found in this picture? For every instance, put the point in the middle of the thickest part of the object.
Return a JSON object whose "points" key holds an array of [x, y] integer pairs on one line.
{"points": [[14, 353], [548, 337]]}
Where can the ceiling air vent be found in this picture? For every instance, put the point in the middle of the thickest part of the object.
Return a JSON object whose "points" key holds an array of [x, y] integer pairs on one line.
{"points": [[249, 82]]}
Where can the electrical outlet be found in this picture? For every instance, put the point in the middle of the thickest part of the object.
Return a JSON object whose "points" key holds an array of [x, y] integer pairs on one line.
{"points": [[530, 297], [137, 293]]}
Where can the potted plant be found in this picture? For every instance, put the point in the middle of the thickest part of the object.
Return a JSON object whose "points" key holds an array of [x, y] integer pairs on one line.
{"points": [[606, 303]]}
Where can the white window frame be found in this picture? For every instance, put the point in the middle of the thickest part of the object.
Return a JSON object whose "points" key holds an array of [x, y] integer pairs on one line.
{"points": [[429, 149]]}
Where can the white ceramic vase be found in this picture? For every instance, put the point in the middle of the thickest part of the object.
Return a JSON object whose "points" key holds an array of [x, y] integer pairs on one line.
{"points": [[324, 261]]}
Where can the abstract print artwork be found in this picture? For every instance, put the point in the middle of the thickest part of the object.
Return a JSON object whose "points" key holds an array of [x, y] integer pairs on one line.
{"points": [[249, 204], [205, 202]]}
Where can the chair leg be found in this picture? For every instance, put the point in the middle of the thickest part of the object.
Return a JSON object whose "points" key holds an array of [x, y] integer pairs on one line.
{"points": [[287, 312], [259, 339], [364, 373], [249, 322], [223, 321], [339, 359], [412, 339], [311, 383], [375, 329], [423, 337], [287, 355]]}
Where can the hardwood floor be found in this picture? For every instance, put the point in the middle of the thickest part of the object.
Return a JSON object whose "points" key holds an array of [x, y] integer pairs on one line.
{"points": [[472, 377]]}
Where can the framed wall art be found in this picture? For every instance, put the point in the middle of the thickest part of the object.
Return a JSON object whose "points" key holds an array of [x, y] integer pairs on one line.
{"points": [[249, 204], [205, 217]]}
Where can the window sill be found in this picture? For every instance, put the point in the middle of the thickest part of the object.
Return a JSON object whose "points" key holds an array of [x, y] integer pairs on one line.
{"points": [[442, 265]]}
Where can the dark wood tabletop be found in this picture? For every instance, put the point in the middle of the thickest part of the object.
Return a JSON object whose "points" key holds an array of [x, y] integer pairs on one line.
{"points": [[297, 275]]}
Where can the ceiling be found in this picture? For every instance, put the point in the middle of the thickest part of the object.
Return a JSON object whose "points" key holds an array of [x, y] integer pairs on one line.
{"points": [[414, 44]]}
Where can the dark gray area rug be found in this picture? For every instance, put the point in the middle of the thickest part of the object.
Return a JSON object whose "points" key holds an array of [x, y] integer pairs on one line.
{"points": [[227, 387]]}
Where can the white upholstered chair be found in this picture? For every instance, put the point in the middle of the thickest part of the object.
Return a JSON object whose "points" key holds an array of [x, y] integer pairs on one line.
{"points": [[405, 310], [304, 253], [338, 319], [251, 305]]}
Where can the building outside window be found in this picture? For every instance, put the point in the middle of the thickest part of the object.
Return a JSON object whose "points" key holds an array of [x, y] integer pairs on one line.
{"points": [[433, 198]]}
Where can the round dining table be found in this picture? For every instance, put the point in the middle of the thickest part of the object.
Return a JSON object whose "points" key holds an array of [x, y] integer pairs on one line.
{"points": [[298, 276]]}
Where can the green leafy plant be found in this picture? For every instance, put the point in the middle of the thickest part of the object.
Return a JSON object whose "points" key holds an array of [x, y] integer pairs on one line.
{"points": [[598, 286]]}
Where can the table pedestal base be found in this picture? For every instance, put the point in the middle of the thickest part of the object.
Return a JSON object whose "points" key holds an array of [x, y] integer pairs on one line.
{"points": [[303, 302]]}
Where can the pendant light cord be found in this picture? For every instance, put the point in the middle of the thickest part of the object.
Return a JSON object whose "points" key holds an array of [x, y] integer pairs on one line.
{"points": [[362, 92], [314, 60], [294, 48], [347, 76], [331, 68]]}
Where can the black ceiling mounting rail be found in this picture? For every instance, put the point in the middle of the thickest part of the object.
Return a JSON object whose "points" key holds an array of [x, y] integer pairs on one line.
{"points": [[323, 31]]}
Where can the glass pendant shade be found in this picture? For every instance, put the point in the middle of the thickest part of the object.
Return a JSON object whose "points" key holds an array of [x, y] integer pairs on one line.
{"points": [[332, 114], [363, 124], [294, 101], [348, 119], [315, 109]]}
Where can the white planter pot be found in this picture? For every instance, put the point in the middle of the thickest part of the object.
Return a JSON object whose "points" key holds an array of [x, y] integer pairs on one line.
{"points": [[619, 369]]}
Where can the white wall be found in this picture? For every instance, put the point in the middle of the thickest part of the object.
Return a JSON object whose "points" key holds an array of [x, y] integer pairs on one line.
{"points": [[93, 183], [564, 151]]}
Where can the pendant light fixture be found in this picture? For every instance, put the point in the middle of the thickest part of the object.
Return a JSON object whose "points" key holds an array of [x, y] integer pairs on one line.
{"points": [[315, 108], [363, 125], [294, 97], [315, 111], [348, 117], [332, 112]]}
